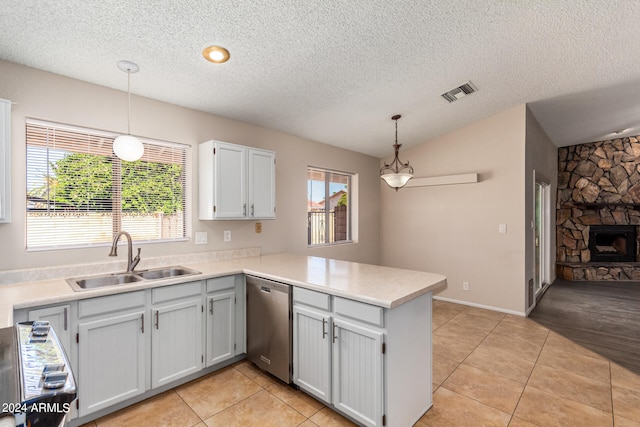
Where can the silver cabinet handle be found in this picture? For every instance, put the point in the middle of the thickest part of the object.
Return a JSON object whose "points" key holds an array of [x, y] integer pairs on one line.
{"points": [[324, 328], [65, 318], [244, 209], [210, 306], [253, 209], [157, 319], [334, 333], [142, 319]]}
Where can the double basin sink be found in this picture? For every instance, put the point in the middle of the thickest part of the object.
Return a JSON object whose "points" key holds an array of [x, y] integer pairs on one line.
{"points": [[93, 282]]}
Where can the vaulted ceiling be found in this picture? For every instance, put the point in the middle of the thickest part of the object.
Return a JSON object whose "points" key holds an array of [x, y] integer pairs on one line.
{"points": [[336, 71]]}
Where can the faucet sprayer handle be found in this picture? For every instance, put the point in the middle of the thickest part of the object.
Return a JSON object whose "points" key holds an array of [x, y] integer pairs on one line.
{"points": [[135, 260]]}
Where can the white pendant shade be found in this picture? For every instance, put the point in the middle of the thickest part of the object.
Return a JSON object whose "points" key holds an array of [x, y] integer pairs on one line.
{"points": [[396, 180], [128, 147]]}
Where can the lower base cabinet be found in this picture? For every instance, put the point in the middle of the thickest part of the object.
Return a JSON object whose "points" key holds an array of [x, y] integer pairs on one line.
{"points": [[129, 343], [357, 372], [112, 347], [59, 319], [176, 332], [338, 360]]}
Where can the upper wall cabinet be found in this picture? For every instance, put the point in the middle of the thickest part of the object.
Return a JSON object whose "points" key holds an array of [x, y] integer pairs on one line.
{"points": [[5, 160], [236, 182]]}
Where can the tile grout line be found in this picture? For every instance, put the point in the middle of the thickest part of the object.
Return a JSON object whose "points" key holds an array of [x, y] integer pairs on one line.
{"points": [[460, 363], [529, 378]]}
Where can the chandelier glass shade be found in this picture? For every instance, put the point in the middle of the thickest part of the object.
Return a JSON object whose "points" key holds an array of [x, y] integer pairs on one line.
{"points": [[396, 174]]}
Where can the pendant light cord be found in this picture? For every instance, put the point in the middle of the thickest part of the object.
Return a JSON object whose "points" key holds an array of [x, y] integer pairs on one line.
{"points": [[129, 105]]}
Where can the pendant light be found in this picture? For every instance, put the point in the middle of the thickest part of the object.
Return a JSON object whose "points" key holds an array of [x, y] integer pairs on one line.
{"points": [[128, 147], [396, 174]]}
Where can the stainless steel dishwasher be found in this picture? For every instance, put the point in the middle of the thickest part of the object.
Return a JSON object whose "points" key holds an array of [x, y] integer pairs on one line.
{"points": [[269, 329]]}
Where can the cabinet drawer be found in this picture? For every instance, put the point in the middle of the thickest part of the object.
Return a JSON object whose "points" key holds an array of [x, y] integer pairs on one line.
{"points": [[101, 305], [168, 293], [359, 310], [312, 298], [220, 283]]}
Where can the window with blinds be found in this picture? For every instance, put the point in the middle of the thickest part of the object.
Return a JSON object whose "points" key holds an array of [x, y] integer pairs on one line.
{"points": [[328, 207], [80, 194]]}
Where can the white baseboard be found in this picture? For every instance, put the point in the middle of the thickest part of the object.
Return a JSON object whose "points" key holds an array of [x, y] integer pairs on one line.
{"points": [[486, 307]]}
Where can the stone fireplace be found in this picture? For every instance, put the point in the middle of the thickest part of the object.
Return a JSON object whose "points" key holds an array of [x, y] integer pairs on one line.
{"points": [[598, 210]]}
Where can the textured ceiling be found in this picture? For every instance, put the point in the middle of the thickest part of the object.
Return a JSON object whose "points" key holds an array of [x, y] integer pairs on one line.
{"points": [[336, 71]]}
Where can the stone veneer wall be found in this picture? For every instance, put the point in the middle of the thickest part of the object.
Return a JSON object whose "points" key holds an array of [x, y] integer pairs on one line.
{"points": [[598, 184]]}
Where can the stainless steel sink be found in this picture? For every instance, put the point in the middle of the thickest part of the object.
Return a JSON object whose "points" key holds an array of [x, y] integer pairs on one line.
{"points": [[80, 284], [100, 281], [166, 272]]}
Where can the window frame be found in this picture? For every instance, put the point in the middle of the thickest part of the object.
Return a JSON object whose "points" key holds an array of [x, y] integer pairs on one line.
{"points": [[116, 217], [327, 213]]}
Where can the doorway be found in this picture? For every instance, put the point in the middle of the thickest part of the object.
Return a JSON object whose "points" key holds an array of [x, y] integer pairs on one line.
{"points": [[541, 236]]}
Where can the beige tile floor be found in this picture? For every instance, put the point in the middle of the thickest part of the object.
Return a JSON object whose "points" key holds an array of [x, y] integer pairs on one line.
{"points": [[489, 369]]}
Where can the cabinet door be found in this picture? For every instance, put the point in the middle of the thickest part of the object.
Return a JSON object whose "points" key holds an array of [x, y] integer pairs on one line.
{"points": [[357, 372], [5, 160], [262, 184], [176, 341], [111, 360], [230, 181], [58, 317], [312, 352], [220, 327]]}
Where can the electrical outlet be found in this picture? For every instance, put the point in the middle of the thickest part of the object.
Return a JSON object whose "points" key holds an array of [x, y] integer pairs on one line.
{"points": [[201, 237], [502, 228], [227, 235], [465, 286], [258, 227]]}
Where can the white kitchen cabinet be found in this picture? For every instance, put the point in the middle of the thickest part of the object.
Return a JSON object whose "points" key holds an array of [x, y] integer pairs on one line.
{"points": [[221, 314], [220, 327], [338, 354], [357, 371], [5, 161], [112, 350], [312, 351], [58, 318], [261, 184], [176, 332], [235, 182]]}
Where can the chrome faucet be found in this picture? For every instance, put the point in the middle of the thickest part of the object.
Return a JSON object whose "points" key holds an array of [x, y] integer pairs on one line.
{"points": [[131, 263]]}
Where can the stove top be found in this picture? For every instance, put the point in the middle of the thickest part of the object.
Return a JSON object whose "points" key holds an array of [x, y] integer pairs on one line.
{"points": [[8, 369], [37, 383]]}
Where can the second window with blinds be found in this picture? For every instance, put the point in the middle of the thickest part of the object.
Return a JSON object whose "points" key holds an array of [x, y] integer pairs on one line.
{"points": [[80, 194], [328, 206]]}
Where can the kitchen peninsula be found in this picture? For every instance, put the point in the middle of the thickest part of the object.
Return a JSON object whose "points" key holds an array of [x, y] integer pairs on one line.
{"points": [[392, 305]]}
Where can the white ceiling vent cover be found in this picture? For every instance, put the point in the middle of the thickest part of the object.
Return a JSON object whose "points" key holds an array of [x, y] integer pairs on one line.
{"points": [[459, 92]]}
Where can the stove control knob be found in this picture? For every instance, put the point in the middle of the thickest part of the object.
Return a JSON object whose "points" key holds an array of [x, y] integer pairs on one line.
{"points": [[40, 328], [53, 367], [54, 379]]}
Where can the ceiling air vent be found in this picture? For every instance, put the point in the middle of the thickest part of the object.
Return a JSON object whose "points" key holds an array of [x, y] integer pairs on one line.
{"points": [[459, 92]]}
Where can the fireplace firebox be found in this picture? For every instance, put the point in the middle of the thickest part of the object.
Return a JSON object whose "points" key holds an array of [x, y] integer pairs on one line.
{"points": [[612, 243]]}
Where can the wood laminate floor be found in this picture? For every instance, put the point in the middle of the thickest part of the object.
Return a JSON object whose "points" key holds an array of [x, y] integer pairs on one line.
{"points": [[601, 316]]}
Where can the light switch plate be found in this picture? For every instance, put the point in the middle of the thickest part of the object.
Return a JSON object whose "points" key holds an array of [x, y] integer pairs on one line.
{"points": [[502, 228], [201, 237], [227, 235]]}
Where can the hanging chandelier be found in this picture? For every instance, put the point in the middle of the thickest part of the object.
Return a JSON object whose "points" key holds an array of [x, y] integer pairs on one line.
{"points": [[396, 174], [128, 147]]}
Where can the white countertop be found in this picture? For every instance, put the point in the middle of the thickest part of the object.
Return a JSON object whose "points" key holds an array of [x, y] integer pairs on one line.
{"points": [[382, 286]]}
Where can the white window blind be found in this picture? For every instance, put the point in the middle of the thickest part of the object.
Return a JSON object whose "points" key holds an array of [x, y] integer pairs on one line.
{"points": [[80, 194], [328, 207]]}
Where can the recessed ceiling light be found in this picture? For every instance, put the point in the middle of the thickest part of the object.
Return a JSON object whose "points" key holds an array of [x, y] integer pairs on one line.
{"points": [[216, 54]]}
